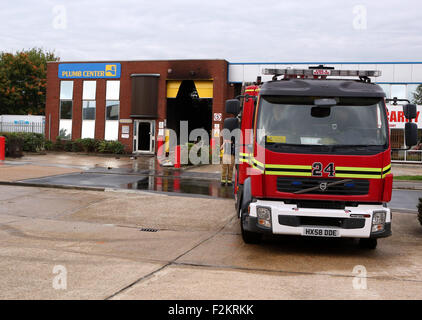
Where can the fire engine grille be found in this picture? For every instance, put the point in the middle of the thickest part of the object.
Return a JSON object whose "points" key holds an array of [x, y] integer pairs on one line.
{"points": [[351, 187], [345, 223], [318, 204]]}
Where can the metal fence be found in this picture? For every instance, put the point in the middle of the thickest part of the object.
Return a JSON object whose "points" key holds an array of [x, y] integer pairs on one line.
{"points": [[404, 156], [34, 127], [408, 156]]}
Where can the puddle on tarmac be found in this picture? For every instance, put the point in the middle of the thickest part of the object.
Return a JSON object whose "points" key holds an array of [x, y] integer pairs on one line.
{"points": [[143, 173], [176, 184], [169, 182]]}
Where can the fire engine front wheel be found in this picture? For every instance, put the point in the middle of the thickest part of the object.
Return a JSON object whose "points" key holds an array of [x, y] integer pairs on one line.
{"points": [[368, 243], [248, 236]]}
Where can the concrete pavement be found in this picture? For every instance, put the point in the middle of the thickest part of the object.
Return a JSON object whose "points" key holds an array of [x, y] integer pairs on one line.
{"points": [[195, 253], [11, 173], [407, 185], [399, 169]]}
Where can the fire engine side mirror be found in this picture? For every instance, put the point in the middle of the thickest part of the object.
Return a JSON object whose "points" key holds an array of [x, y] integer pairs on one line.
{"points": [[231, 124], [233, 106], [409, 111], [411, 134]]}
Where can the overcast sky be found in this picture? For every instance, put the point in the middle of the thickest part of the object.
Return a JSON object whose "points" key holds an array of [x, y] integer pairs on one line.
{"points": [[238, 31]]}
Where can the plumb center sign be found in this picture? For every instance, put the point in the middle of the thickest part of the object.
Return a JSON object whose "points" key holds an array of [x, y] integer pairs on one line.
{"points": [[107, 70]]}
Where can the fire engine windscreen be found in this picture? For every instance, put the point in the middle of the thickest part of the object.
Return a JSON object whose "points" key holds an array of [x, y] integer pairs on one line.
{"points": [[297, 121]]}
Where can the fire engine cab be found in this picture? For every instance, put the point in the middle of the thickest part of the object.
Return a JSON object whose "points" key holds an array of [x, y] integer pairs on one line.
{"points": [[314, 155]]}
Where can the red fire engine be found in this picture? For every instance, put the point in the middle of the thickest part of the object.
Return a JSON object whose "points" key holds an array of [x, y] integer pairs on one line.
{"points": [[314, 155]]}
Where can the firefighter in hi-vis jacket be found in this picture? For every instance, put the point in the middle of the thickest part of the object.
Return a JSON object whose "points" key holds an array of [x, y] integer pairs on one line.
{"points": [[227, 150]]}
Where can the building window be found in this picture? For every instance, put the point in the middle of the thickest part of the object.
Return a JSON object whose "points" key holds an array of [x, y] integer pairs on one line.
{"points": [[65, 110], [113, 90], [66, 106], [399, 91], [112, 110], [88, 109], [66, 90]]}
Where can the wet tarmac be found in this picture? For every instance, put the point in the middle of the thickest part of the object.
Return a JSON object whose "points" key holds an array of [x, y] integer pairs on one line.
{"points": [[405, 200], [204, 184]]}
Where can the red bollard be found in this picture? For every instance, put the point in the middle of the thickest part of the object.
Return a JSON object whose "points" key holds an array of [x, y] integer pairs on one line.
{"points": [[177, 157], [212, 143], [2, 148], [160, 147]]}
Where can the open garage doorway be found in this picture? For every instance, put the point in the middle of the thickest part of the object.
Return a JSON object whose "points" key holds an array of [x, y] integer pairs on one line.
{"points": [[190, 101]]}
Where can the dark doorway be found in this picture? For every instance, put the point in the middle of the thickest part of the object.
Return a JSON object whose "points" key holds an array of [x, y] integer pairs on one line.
{"points": [[144, 138], [187, 106]]}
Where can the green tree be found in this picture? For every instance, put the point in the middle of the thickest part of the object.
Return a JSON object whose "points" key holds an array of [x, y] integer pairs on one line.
{"points": [[23, 78], [417, 95]]}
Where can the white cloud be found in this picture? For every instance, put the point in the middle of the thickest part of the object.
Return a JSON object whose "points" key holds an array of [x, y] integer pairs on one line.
{"points": [[233, 30]]}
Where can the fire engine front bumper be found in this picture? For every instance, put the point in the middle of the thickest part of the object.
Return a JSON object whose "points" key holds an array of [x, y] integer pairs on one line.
{"points": [[276, 217]]}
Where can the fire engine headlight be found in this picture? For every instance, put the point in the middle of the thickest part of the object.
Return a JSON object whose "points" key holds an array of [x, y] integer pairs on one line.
{"points": [[263, 213], [264, 216], [378, 221]]}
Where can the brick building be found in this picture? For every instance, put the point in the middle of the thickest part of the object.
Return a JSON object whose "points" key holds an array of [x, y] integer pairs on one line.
{"points": [[135, 101]]}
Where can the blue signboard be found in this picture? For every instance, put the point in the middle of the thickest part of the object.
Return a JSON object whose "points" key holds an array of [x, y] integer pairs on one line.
{"points": [[107, 70]]}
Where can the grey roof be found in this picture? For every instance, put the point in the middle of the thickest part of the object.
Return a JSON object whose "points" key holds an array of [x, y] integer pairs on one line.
{"points": [[322, 88]]}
